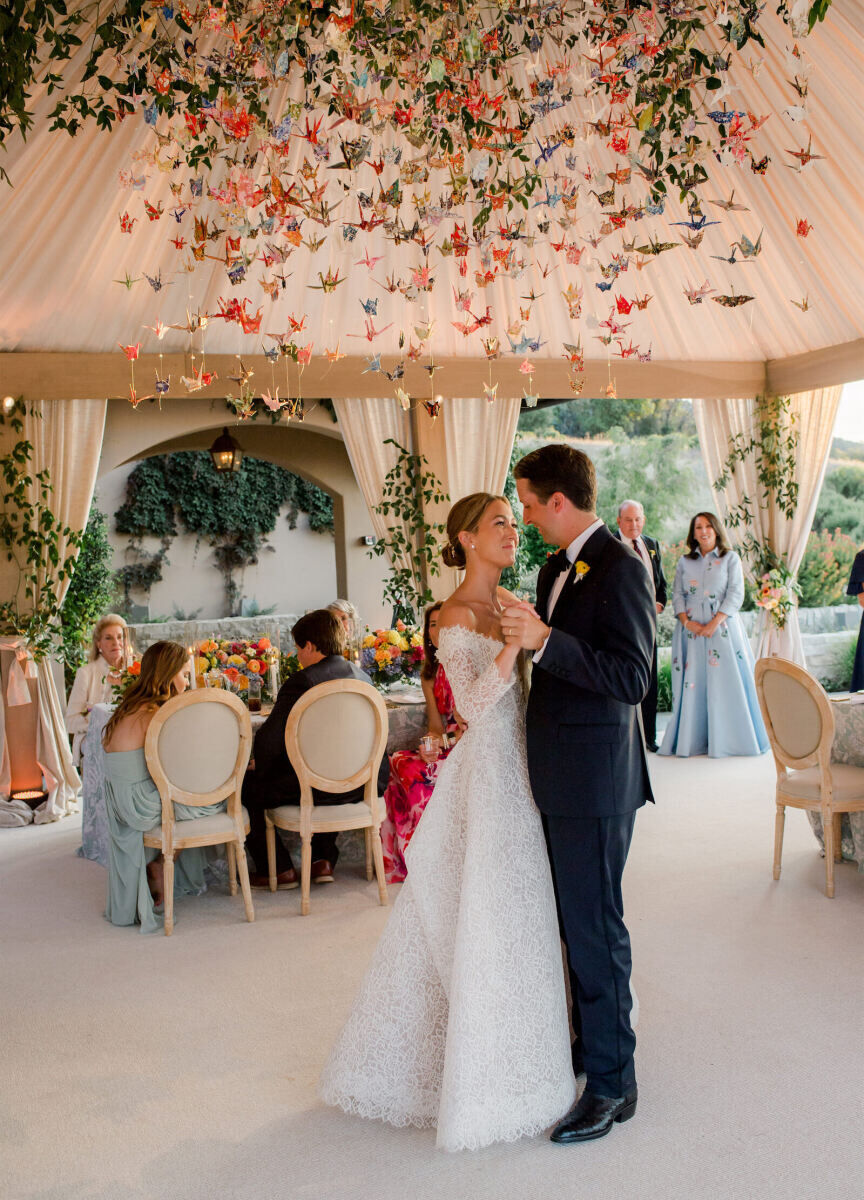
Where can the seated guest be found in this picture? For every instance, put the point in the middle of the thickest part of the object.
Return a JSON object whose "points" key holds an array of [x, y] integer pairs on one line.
{"points": [[270, 780], [349, 618], [109, 654], [135, 875], [413, 772]]}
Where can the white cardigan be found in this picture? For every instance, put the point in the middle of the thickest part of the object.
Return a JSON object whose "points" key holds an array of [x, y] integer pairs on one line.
{"points": [[91, 687]]}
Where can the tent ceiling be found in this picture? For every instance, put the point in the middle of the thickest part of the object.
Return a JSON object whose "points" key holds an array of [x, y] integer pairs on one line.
{"points": [[62, 248]]}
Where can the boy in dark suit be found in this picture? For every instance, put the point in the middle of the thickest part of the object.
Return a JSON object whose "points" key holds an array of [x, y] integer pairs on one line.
{"points": [[631, 522], [270, 779], [592, 634]]}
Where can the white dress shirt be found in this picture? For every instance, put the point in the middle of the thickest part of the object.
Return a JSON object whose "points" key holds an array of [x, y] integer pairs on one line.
{"points": [[572, 552]]}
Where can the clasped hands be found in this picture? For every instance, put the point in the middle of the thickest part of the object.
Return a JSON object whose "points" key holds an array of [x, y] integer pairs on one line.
{"points": [[522, 626], [707, 630]]}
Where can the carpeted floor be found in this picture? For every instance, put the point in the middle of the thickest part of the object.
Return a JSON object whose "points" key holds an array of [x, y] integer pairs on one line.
{"points": [[184, 1068]]}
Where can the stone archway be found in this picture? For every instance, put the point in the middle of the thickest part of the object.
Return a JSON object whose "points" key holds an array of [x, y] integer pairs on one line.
{"points": [[313, 450]]}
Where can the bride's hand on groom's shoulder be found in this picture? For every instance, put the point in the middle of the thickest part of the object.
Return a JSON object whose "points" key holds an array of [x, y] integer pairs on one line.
{"points": [[522, 626]]}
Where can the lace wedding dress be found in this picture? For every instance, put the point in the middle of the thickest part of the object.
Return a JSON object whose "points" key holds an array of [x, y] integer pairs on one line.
{"points": [[461, 1020]]}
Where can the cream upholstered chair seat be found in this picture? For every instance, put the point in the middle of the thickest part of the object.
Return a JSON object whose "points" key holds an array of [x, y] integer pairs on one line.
{"points": [[800, 723], [197, 747], [847, 783], [346, 816], [218, 827], [335, 737]]}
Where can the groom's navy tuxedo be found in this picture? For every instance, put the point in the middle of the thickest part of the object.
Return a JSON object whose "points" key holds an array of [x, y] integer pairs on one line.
{"points": [[588, 774]]}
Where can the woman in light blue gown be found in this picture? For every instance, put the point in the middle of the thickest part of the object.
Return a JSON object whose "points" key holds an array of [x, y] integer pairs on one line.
{"points": [[135, 876], [715, 710]]}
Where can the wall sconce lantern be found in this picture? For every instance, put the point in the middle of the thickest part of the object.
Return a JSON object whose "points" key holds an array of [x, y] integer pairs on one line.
{"points": [[226, 452]]}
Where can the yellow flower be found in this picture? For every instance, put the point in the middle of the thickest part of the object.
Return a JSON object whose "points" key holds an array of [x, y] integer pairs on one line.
{"points": [[242, 683], [381, 656], [582, 568], [417, 639], [236, 660], [369, 640], [394, 637], [201, 665]]}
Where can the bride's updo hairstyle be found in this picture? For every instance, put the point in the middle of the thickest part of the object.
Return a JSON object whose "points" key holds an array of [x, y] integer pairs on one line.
{"points": [[465, 516]]}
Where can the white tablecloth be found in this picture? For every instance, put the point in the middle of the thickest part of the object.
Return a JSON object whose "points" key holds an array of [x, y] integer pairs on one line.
{"points": [[848, 748], [407, 722]]}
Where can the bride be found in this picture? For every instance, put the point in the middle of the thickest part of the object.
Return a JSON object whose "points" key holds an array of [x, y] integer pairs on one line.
{"points": [[461, 1020]]}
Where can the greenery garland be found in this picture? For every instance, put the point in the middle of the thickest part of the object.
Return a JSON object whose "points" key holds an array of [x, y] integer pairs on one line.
{"points": [[90, 593], [31, 535], [408, 486], [234, 513], [772, 446]]}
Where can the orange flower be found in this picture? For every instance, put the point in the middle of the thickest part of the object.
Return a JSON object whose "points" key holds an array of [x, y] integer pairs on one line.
{"points": [[254, 666], [231, 673], [135, 669], [264, 643]]}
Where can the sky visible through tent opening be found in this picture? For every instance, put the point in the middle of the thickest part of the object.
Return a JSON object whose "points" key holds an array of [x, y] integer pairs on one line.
{"points": [[850, 414]]}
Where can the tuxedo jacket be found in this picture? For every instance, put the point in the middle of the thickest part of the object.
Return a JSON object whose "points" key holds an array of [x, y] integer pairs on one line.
{"points": [[586, 756], [273, 768], [656, 565]]}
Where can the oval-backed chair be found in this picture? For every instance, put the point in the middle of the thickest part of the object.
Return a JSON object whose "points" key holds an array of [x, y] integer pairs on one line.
{"points": [[335, 737], [800, 724], [197, 747]]}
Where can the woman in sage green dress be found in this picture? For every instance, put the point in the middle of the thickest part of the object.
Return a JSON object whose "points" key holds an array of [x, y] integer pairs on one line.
{"points": [[135, 875]]}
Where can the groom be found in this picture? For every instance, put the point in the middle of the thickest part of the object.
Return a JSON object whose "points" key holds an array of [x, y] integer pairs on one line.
{"points": [[593, 638]]}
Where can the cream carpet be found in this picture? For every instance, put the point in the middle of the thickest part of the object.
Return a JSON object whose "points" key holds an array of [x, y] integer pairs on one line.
{"points": [[184, 1068]]}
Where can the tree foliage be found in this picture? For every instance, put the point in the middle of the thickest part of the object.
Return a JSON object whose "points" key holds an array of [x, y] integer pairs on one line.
{"points": [[90, 593]]}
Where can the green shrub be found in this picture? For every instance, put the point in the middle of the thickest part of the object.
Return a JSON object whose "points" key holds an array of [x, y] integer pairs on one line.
{"points": [[825, 570], [664, 686], [838, 679]]}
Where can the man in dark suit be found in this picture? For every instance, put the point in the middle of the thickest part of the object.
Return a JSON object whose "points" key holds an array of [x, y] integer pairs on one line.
{"points": [[631, 522], [270, 779], [592, 634]]}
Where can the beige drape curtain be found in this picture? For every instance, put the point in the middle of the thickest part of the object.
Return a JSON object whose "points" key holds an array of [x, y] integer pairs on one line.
{"points": [[67, 442], [366, 425], [718, 421], [479, 438]]}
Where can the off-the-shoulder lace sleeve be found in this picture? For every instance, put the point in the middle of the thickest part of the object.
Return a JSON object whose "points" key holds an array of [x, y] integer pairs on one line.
{"points": [[476, 689]]}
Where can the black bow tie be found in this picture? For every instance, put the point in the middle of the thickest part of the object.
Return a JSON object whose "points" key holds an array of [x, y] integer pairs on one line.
{"points": [[559, 562]]}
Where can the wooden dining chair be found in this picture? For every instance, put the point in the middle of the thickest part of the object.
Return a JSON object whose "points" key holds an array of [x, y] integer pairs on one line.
{"points": [[335, 737], [197, 747], [800, 723]]}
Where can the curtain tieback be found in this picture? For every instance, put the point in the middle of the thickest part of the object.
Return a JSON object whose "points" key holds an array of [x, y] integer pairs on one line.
{"points": [[22, 669]]}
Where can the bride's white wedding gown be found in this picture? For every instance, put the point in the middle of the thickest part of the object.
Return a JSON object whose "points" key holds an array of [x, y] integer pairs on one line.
{"points": [[461, 1020]]}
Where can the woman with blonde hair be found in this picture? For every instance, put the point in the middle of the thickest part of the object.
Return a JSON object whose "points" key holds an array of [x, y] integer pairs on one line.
{"points": [[461, 1022], [109, 655], [132, 800]]}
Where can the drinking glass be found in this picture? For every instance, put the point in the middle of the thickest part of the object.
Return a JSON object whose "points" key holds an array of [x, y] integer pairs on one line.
{"points": [[253, 693]]}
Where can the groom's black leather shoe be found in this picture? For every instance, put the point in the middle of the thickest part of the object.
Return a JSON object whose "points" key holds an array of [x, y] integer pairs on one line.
{"points": [[593, 1116]]}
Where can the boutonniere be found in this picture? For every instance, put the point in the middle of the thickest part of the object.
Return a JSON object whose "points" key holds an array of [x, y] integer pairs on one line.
{"points": [[653, 553], [582, 569]]}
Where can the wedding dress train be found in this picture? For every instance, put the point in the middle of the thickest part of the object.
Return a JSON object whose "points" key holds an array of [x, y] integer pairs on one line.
{"points": [[461, 1020]]}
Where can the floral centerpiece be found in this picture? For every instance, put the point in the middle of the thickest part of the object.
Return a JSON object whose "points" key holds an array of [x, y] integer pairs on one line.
{"points": [[776, 595], [391, 656], [127, 676], [237, 662]]}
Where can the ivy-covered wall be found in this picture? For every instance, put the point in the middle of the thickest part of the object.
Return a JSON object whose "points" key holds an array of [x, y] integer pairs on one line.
{"points": [[188, 540]]}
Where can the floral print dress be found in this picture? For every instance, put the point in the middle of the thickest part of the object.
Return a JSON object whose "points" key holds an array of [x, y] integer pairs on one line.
{"points": [[411, 784], [715, 709]]}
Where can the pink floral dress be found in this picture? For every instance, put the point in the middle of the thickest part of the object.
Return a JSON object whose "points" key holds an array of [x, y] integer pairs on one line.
{"points": [[411, 783]]}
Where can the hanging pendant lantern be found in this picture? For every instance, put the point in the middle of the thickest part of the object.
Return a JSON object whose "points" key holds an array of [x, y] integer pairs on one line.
{"points": [[226, 452]]}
